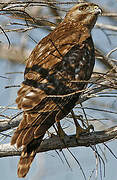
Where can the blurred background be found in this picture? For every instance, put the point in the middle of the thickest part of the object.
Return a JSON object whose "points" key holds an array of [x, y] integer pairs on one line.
{"points": [[22, 25]]}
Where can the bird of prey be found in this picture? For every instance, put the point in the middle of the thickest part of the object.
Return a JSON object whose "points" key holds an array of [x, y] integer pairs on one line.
{"points": [[53, 79]]}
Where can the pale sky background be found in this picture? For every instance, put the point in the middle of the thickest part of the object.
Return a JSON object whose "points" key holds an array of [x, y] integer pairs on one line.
{"points": [[48, 166]]}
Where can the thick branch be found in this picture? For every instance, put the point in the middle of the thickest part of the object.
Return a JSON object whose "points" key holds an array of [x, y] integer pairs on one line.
{"points": [[54, 142]]}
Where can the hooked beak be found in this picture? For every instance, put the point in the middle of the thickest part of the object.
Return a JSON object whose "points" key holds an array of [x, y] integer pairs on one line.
{"points": [[98, 10]]}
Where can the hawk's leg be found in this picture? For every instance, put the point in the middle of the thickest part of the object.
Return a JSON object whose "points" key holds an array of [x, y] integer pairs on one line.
{"points": [[60, 131], [79, 129]]}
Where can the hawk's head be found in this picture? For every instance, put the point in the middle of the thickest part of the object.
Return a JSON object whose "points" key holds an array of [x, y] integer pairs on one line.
{"points": [[84, 14]]}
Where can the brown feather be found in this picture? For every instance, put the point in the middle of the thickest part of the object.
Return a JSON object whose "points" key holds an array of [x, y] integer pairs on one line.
{"points": [[24, 163], [52, 79]]}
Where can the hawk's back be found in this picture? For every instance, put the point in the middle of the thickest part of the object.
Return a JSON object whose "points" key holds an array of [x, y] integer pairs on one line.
{"points": [[53, 75]]}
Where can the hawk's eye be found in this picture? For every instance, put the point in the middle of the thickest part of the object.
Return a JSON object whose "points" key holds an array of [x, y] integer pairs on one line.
{"points": [[81, 8]]}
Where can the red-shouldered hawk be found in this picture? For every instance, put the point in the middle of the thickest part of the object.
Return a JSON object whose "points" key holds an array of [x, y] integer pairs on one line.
{"points": [[51, 85]]}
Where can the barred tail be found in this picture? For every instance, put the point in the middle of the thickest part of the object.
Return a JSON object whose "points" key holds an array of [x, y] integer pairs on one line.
{"points": [[27, 156]]}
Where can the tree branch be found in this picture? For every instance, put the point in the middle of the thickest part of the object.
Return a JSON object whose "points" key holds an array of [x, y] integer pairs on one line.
{"points": [[9, 124], [54, 142]]}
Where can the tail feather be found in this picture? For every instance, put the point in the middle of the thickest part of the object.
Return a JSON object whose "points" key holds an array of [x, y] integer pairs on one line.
{"points": [[24, 136], [27, 156], [25, 163]]}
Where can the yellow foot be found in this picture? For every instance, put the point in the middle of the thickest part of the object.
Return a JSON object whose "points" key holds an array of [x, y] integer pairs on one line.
{"points": [[80, 130]]}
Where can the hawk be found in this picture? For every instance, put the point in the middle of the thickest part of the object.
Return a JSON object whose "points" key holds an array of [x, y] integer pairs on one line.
{"points": [[52, 79]]}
